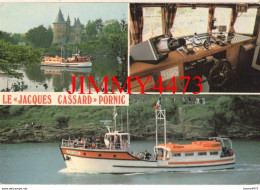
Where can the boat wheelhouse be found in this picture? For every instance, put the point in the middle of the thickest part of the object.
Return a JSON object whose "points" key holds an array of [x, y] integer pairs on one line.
{"points": [[215, 45]]}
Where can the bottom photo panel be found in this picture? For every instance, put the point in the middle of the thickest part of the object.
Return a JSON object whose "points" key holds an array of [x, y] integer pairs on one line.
{"points": [[157, 139]]}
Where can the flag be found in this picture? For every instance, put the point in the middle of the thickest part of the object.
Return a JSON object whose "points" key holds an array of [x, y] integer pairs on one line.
{"points": [[157, 104]]}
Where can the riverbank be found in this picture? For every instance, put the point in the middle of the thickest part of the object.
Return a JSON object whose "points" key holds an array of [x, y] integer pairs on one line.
{"points": [[236, 117]]}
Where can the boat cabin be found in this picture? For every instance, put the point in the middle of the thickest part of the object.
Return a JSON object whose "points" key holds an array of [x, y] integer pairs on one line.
{"points": [[197, 150], [117, 140], [214, 45]]}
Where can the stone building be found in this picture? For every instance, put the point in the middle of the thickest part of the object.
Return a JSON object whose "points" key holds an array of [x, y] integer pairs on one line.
{"points": [[64, 33]]}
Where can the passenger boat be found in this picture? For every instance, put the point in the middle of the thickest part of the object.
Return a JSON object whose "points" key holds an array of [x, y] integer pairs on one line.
{"points": [[116, 156], [75, 61]]}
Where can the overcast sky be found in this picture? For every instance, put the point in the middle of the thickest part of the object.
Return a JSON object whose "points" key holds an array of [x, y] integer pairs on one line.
{"points": [[20, 17]]}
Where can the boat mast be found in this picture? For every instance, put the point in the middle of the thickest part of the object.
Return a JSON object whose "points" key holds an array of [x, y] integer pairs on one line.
{"points": [[160, 115], [127, 125], [115, 115], [62, 51], [122, 128]]}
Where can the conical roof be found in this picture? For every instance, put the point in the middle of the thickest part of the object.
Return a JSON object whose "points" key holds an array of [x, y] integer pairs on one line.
{"points": [[59, 17], [68, 18], [77, 22]]}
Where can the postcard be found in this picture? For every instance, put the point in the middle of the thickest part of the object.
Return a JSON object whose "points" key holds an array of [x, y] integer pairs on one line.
{"points": [[129, 93]]}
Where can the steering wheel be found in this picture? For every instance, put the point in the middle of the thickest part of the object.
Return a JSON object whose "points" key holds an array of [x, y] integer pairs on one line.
{"points": [[219, 73]]}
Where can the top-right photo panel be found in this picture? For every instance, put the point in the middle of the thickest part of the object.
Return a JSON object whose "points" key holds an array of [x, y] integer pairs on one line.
{"points": [[196, 48]]}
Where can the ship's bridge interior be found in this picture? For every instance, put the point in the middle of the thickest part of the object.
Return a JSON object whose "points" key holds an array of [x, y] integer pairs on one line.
{"points": [[219, 43]]}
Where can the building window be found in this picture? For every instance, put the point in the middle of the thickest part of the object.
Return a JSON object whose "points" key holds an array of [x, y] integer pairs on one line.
{"points": [[189, 154], [223, 17], [188, 21], [245, 22], [152, 22], [176, 154], [202, 153], [213, 153]]}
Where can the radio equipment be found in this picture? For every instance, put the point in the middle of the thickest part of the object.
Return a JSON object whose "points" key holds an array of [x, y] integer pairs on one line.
{"points": [[155, 49]]}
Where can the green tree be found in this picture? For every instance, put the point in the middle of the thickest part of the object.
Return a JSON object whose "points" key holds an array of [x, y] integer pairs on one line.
{"points": [[11, 54], [40, 37], [63, 121], [93, 29], [12, 38]]}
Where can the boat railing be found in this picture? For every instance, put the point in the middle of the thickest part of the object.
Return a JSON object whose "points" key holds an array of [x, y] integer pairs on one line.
{"points": [[67, 143], [89, 145]]}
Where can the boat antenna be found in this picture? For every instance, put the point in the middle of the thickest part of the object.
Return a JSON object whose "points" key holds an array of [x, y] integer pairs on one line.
{"points": [[122, 127], [127, 124], [62, 51], [115, 115]]}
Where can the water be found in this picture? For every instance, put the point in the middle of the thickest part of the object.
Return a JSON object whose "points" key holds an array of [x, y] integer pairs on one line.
{"points": [[43, 164], [58, 79]]}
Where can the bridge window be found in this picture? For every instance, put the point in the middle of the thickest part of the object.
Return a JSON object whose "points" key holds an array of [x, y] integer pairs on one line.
{"points": [[189, 154], [245, 22], [223, 17], [188, 21], [152, 22], [213, 153], [202, 153], [176, 154]]}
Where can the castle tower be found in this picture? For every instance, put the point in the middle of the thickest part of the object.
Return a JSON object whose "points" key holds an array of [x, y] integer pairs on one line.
{"points": [[68, 28], [64, 33], [60, 29], [77, 31]]}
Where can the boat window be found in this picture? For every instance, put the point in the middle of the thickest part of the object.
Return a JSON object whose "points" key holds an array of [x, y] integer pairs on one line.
{"points": [[249, 18], [188, 21], [213, 153], [223, 17], [202, 153], [176, 154], [152, 22], [160, 152], [110, 137], [189, 154], [125, 137]]}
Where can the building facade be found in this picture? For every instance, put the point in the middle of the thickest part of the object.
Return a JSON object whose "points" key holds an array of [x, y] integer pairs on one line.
{"points": [[64, 33]]}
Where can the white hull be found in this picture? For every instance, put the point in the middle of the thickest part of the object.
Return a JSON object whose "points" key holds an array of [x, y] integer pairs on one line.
{"points": [[95, 165], [78, 64]]}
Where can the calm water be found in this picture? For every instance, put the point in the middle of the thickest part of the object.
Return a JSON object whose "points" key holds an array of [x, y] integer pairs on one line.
{"points": [[43, 164], [54, 79]]}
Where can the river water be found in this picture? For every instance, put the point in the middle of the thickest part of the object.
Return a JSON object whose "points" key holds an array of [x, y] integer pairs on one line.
{"points": [[58, 79], [43, 164]]}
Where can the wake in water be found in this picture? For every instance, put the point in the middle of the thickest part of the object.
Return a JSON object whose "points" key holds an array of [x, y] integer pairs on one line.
{"points": [[70, 171], [238, 168]]}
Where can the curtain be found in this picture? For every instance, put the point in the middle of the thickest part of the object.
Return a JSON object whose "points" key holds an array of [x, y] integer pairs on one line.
{"points": [[170, 13], [234, 16], [136, 26], [211, 17]]}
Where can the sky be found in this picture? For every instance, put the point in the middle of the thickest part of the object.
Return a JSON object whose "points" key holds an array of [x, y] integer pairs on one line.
{"points": [[20, 17]]}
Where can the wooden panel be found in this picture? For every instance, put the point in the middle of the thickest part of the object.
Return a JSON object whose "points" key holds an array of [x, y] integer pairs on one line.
{"points": [[176, 59], [233, 55]]}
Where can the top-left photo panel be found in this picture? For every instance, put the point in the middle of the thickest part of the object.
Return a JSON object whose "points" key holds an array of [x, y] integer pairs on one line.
{"points": [[42, 45]]}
